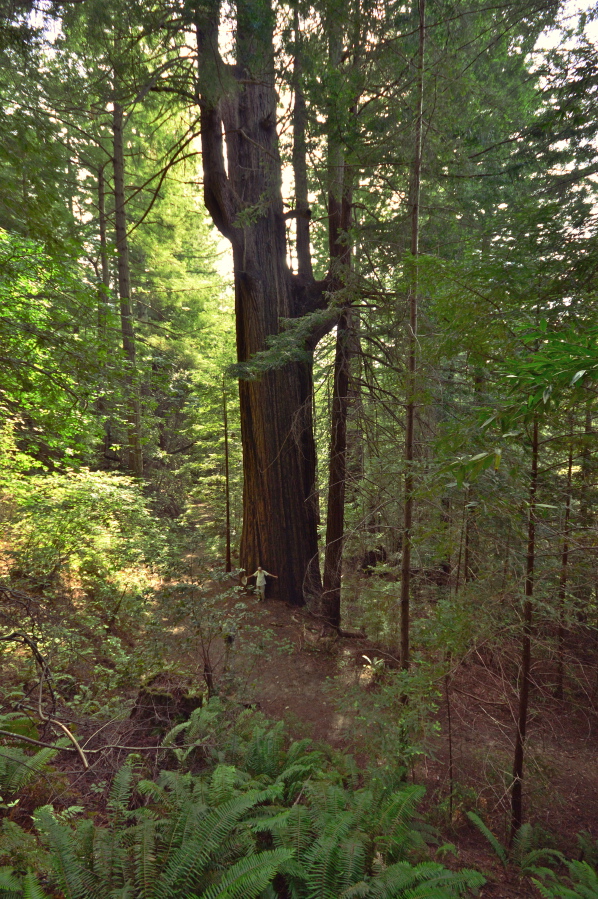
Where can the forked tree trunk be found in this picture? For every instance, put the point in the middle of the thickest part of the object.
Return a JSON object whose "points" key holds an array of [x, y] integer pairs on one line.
{"points": [[412, 354], [526, 645], [245, 201], [135, 455]]}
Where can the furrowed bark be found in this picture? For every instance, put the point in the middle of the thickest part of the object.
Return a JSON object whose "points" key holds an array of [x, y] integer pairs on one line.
{"points": [[279, 462], [304, 266]]}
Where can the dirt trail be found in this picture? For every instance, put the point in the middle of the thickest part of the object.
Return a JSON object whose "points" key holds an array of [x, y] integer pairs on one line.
{"points": [[305, 684]]}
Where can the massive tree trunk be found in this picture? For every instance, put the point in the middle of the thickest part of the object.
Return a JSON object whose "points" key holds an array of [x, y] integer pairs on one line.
{"points": [[245, 201]]}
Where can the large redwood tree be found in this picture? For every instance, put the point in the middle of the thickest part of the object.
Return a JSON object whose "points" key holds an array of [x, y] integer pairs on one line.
{"points": [[242, 189]]}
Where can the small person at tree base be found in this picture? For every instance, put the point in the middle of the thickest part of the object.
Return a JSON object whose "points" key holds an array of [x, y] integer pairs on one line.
{"points": [[260, 581]]}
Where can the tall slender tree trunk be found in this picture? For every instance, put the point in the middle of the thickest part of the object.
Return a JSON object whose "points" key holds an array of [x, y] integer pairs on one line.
{"points": [[103, 295], [560, 676], [228, 564], [104, 287], [135, 456], [526, 645], [339, 223], [412, 352], [337, 477], [280, 509]]}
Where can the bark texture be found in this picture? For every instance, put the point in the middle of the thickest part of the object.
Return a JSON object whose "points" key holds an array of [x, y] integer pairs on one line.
{"points": [[245, 201]]}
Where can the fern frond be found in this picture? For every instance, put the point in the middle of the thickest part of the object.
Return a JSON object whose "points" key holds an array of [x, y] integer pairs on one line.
{"points": [[522, 843], [299, 832], [270, 823], [222, 784], [584, 883], [336, 800], [109, 858], [180, 827], [249, 876], [351, 861], [75, 881], [152, 790], [427, 880], [264, 753], [396, 820], [173, 733], [586, 876], [122, 789], [498, 847], [359, 890], [322, 859], [10, 885], [20, 768], [31, 887], [145, 858], [529, 862], [187, 863]]}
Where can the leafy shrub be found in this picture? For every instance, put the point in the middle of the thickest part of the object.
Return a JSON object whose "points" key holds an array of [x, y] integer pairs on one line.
{"points": [[87, 524], [80, 543]]}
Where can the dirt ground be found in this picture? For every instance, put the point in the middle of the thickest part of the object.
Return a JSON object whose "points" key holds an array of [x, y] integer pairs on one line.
{"points": [[306, 684]]}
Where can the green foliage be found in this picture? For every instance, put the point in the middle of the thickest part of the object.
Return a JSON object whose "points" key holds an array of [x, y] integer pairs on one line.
{"points": [[81, 524], [22, 850], [499, 849], [87, 541], [50, 360], [588, 848], [280, 822], [524, 852], [18, 768], [582, 883], [397, 714]]}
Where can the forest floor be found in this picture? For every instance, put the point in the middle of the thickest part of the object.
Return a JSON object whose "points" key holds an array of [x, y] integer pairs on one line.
{"points": [[334, 690], [323, 688]]}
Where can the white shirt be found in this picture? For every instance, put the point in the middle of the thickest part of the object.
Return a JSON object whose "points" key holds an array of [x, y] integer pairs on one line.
{"points": [[261, 577]]}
